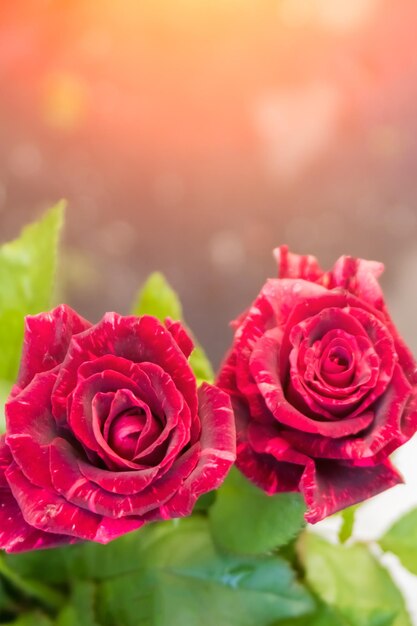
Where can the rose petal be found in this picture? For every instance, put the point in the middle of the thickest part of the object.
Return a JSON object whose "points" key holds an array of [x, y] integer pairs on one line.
{"points": [[268, 474], [180, 335], [31, 427], [266, 448], [123, 483], [329, 486], [15, 534], [360, 277], [47, 511], [110, 529], [218, 452], [46, 341], [297, 266], [260, 468]]}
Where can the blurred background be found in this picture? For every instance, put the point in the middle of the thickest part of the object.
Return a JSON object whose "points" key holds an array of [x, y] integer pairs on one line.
{"points": [[194, 136]]}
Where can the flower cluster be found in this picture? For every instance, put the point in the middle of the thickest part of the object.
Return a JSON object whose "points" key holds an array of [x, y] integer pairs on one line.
{"points": [[107, 430]]}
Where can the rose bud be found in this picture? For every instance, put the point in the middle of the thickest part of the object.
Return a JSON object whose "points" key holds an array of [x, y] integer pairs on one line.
{"points": [[106, 430], [322, 385]]}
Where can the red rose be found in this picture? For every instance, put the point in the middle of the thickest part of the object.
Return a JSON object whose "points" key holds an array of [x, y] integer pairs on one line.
{"points": [[106, 430], [322, 385]]}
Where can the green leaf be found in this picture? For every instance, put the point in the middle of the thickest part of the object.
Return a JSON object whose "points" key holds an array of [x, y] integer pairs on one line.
{"points": [[157, 298], [205, 501], [244, 519], [182, 580], [31, 588], [5, 387], [81, 610], [34, 618], [7, 603], [201, 366], [27, 271], [348, 522], [84, 561], [352, 581], [401, 540], [323, 616]]}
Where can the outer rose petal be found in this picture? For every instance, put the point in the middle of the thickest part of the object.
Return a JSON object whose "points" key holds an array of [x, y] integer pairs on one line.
{"points": [[297, 266], [360, 277], [46, 341], [18, 536], [266, 458], [15, 534], [31, 427], [110, 529], [329, 486], [218, 451], [180, 335], [46, 510]]}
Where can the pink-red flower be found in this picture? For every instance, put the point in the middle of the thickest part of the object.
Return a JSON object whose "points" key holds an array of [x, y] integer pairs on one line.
{"points": [[323, 387], [106, 430]]}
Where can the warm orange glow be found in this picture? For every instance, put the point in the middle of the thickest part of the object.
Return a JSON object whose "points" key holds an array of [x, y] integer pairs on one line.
{"points": [[331, 14], [202, 133], [63, 100], [209, 80]]}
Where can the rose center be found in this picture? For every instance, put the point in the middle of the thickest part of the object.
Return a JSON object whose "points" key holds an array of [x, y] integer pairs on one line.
{"points": [[125, 431], [336, 365], [337, 360]]}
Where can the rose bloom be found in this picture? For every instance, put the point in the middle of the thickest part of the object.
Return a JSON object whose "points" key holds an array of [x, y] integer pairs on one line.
{"points": [[106, 431], [323, 387]]}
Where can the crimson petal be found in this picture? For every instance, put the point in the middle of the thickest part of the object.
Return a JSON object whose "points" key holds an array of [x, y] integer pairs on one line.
{"points": [[292, 265], [329, 486], [15, 534], [360, 277], [46, 340], [47, 511], [218, 451], [180, 335], [31, 427]]}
